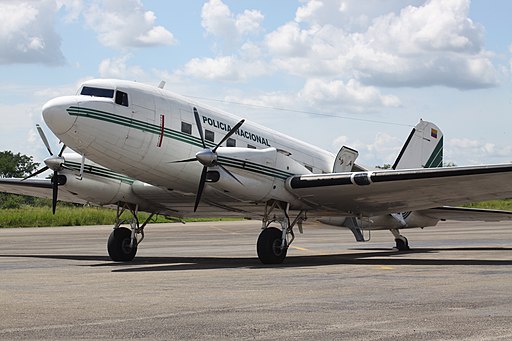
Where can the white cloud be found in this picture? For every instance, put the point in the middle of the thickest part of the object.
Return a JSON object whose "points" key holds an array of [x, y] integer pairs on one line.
{"points": [[224, 68], [352, 96], [121, 24], [18, 120], [27, 33], [352, 15], [290, 40], [382, 150], [465, 151], [339, 53], [433, 43], [218, 20], [332, 97], [118, 68]]}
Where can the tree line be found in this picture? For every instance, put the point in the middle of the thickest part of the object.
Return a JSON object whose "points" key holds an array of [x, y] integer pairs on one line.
{"points": [[18, 166]]}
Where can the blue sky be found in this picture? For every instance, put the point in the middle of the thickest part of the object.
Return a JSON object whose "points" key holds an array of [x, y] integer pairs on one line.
{"points": [[376, 66]]}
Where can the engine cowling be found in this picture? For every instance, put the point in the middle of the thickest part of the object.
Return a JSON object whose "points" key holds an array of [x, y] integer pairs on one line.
{"points": [[261, 173]]}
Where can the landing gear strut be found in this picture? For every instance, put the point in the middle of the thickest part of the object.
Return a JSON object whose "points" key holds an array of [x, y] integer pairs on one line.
{"points": [[402, 244], [122, 242], [272, 245]]}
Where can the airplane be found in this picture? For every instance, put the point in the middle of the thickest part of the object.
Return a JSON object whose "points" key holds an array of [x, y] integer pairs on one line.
{"points": [[195, 160]]}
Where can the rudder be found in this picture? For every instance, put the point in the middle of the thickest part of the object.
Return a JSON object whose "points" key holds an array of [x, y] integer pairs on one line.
{"points": [[423, 148]]}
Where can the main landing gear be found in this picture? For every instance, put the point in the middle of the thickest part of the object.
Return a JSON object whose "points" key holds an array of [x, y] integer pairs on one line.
{"points": [[273, 243], [122, 242]]}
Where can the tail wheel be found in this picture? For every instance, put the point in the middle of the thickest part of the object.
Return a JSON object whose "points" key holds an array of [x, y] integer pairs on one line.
{"points": [[269, 246], [118, 245], [402, 244]]}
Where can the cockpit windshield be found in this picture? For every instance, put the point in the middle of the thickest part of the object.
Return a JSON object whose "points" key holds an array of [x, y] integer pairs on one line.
{"points": [[97, 92]]}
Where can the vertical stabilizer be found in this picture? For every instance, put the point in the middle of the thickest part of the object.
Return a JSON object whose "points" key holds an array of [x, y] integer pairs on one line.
{"points": [[423, 148]]}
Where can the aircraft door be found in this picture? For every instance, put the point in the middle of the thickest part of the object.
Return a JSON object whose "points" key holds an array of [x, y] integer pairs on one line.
{"points": [[142, 124]]}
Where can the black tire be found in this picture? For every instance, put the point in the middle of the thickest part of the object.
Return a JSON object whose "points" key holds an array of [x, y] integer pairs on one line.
{"points": [[118, 245], [269, 246], [402, 245]]}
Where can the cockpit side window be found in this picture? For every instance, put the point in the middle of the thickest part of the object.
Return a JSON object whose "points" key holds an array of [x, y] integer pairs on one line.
{"points": [[122, 98], [97, 92]]}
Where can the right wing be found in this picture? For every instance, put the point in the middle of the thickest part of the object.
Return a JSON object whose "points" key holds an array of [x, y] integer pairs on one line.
{"points": [[390, 191]]}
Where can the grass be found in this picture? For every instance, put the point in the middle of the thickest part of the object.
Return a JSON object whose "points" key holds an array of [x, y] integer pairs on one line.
{"points": [[505, 205], [29, 216]]}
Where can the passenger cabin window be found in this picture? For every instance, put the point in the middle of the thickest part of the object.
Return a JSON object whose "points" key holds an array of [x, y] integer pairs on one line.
{"points": [[186, 128], [250, 146], [209, 135], [97, 92], [122, 98], [231, 142]]}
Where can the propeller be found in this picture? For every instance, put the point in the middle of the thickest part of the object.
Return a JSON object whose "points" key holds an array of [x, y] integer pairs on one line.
{"points": [[53, 162], [208, 157]]}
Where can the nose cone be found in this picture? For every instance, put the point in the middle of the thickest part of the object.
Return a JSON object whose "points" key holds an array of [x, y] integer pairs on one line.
{"points": [[56, 116]]}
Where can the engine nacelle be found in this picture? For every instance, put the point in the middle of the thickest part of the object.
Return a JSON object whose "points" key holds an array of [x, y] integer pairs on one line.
{"points": [[261, 173], [100, 190]]}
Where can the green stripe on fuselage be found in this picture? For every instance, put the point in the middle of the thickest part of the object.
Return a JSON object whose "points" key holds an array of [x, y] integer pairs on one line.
{"points": [[176, 135], [99, 171]]}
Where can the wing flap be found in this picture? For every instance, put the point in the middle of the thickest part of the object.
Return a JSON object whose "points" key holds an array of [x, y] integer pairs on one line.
{"points": [[388, 191]]}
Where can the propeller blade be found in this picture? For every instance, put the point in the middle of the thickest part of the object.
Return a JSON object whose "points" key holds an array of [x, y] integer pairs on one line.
{"points": [[43, 137], [208, 157], [231, 174], [62, 150], [199, 127], [186, 160], [201, 187], [228, 135], [55, 191], [44, 169], [82, 166]]}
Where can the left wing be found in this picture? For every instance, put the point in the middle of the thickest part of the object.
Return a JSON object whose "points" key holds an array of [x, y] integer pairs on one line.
{"points": [[41, 188], [388, 191]]}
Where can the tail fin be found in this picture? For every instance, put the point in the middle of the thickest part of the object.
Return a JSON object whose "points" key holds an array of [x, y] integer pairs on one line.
{"points": [[423, 148]]}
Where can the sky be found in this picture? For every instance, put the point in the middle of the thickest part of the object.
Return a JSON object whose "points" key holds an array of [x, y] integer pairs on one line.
{"points": [[331, 72]]}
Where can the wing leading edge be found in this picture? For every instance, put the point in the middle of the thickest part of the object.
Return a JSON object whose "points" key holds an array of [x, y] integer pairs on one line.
{"points": [[387, 191]]}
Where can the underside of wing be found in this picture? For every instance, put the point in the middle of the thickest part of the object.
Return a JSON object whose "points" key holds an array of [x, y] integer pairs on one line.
{"points": [[466, 214], [389, 191]]}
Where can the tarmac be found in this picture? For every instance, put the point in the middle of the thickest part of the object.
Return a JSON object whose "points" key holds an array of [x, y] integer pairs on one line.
{"points": [[200, 281]]}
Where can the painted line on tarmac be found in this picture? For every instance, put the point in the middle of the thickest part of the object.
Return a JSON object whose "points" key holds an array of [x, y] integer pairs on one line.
{"points": [[299, 248]]}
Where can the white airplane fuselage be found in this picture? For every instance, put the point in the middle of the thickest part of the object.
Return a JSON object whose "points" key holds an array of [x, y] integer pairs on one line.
{"points": [[141, 131], [145, 135]]}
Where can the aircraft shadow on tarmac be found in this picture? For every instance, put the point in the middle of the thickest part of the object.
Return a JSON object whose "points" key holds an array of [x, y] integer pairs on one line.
{"points": [[374, 257]]}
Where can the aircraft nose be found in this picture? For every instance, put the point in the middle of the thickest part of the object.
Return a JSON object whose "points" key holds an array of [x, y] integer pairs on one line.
{"points": [[56, 116]]}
